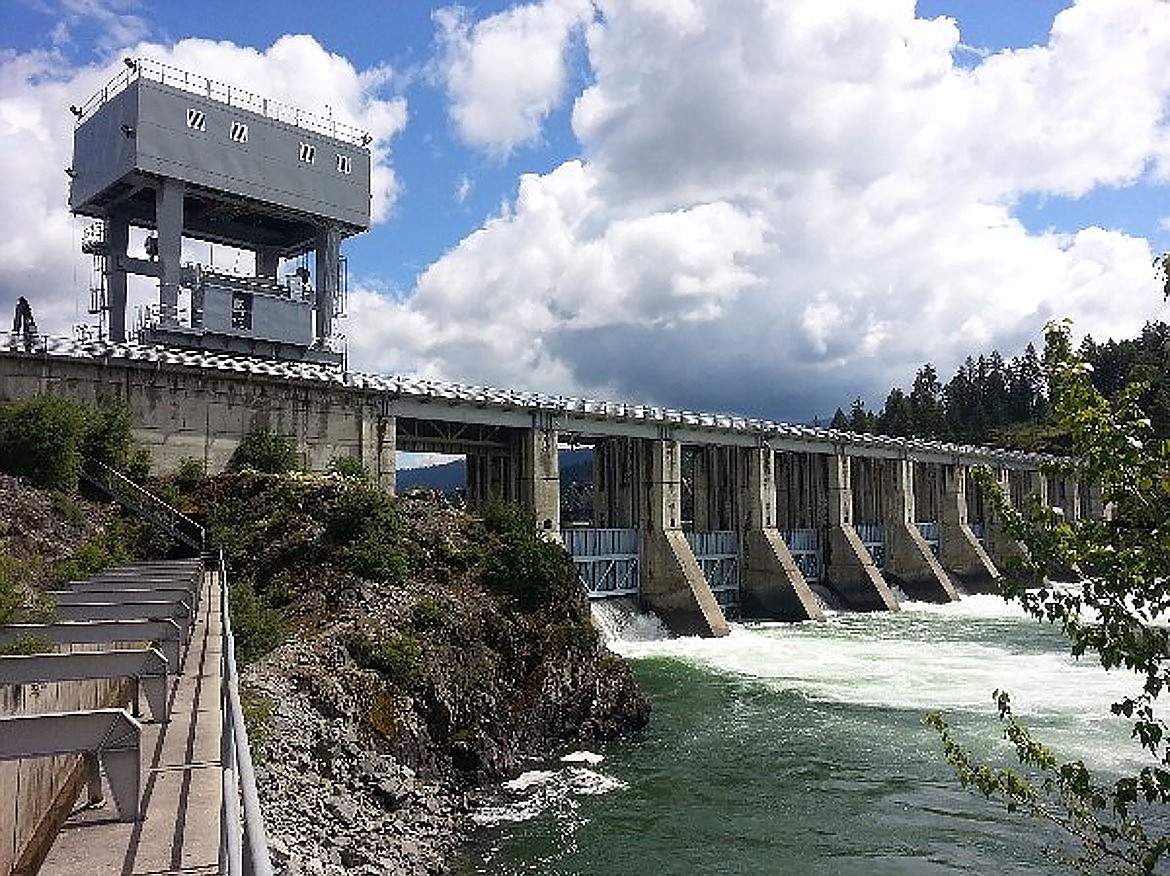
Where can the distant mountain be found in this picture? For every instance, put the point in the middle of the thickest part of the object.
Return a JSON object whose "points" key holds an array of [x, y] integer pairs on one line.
{"points": [[449, 477], [446, 477]]}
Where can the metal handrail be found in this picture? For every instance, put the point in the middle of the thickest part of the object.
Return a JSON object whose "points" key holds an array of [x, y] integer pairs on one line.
{"points": [[146, 503], [243, 844], [230, 95]]}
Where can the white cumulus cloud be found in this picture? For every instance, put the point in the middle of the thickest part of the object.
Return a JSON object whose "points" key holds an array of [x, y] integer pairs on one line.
{"points": [[780, 205], [506, 73]]}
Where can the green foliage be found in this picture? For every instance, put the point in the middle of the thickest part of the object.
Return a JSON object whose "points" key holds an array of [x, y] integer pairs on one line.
{"points": [[189, 474], [89, 559], [47, 439], [256, 626], [430, 613], [396, 656], [26, 645], [42, 440], [522, 564], [17, 603], [138, 465], [364, 524], [265, 452], [990, 400], [1119, 615], [257, 711], [348, 468], [108, 435]]}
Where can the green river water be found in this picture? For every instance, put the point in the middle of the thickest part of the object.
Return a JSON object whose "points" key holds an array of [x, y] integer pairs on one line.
{"points": [[800, 749]]}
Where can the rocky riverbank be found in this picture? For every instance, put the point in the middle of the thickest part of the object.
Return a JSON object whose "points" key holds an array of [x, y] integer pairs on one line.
{"points": [[428, 653]]}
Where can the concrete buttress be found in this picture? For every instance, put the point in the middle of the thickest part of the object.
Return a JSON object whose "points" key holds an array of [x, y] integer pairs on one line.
{"points": [[908, 556], [773, 586], [960, 551], [849, 569], [673, 585]]}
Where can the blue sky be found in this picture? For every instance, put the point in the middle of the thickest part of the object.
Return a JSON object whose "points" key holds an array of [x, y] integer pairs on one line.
{"points": [[763, 207]]}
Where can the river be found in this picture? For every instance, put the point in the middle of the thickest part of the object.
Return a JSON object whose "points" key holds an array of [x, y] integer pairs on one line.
{"points": [[800, 749]]}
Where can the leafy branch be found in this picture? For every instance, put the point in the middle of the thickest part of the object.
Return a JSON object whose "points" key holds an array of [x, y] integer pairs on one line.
{"points": [[1118, 614]]}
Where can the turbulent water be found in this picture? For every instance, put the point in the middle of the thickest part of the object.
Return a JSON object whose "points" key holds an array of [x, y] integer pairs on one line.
{"points": [[800, 749]]}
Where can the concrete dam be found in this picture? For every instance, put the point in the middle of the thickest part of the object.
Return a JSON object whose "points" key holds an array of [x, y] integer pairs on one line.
{"points": [[784, 517]]}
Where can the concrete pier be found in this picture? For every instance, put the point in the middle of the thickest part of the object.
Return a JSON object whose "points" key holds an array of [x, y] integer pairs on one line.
{"points": [[773, 585], [849, 569], [673, 586], [909, 560], [959, 550]]}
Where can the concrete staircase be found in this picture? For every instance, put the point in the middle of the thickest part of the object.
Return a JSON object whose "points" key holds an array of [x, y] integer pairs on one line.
{"points": [[178, 830]]}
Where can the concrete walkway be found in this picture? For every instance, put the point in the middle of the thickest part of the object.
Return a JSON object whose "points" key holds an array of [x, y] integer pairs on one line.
{"points": [[179, 830]]}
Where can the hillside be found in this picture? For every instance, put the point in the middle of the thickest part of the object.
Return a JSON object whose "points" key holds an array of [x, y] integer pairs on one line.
{"points": [[416, 652], [400, 652]]}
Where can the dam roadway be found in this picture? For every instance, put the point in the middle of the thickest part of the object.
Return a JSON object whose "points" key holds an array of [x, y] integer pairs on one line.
{"points": [[784, 519]]}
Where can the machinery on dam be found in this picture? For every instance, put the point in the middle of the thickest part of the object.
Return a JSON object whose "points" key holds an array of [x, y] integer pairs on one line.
{"points": [[188, 158]]}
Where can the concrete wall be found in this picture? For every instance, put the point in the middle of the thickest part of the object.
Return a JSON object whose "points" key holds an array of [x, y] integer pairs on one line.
{"points": [[181, 413]]}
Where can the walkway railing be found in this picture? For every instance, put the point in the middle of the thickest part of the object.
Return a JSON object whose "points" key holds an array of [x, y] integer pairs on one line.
{"points": [[243, 844], [146, 504]]}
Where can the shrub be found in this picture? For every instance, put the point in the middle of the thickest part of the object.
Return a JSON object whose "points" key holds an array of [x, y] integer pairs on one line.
{"points": [[17, 604], [397, 657], [522, 564], [429, 613], [47, 439], [378, 560], [190, 473], [256, 626], [364, 523], [257, 711], [349, 468], [108, 435], [42, 439], [138, 465], [360, 509], [265, 452], [89, 559]]}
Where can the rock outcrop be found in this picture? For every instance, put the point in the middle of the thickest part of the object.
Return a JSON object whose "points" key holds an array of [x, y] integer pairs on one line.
{"points": [[429, 653]]}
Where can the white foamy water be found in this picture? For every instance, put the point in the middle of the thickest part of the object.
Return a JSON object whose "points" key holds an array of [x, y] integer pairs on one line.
{"points": [[535, 791], [947, 657], [620, 622]]}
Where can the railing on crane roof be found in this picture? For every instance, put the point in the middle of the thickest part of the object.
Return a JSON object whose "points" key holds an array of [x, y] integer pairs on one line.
{"points": [[230, 95]]}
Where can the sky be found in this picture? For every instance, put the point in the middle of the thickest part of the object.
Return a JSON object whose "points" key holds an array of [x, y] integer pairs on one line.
{"points": [[765, 207]]}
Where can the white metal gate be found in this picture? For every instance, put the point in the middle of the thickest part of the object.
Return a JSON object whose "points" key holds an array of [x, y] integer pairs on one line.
{"points": [[606, 560], [805, 547], [873, 536], [718, 556]]}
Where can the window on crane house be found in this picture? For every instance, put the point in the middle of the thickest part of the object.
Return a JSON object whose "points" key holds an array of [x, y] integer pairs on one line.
{"points": [[196, 119], [308, 153], [242, 310], [239, 132], [343, 163]]}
